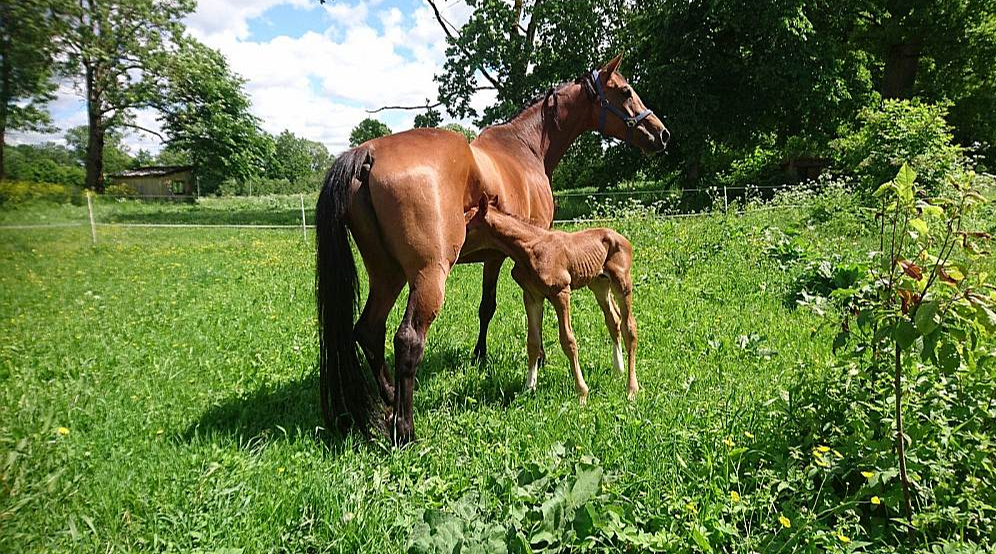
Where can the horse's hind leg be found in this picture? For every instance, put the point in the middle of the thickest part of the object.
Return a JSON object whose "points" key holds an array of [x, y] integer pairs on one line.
{"points": [[371, 328], [425, 299], [562, 305], [603, 294], [489, 303]]}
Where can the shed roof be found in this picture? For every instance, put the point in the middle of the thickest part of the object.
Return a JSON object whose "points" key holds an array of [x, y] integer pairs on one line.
{"points": [[152, 171]]}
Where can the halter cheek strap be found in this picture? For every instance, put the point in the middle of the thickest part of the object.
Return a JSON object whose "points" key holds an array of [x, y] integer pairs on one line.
{"points": [[631, 121]]}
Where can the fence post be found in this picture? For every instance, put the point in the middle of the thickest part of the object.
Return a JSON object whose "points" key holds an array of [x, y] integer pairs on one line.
{"points": [[93, 225], [304, 226], [726, 199]]}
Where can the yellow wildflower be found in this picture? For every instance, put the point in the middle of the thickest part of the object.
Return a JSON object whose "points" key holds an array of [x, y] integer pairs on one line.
{"points": [[822, 463], [280, 470], [62, 431], [876, 500], [842, 537], [748, 434], [838, 454], [786, 522], [735, 496], [728, 442], [868, 474], [823, 449]]}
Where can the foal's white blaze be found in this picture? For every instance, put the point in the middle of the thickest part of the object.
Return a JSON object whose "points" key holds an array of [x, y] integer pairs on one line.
{"points": [[617, 359]]}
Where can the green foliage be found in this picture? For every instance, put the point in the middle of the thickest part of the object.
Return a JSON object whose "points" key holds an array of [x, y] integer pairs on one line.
{"points": [[14, 193], [467, 133], [924, 314], [117, 51], [368, 129], [116, 156], [44, 163], [26, 59], [207, 114], [430, 118], [298, 160], [898, 132]]}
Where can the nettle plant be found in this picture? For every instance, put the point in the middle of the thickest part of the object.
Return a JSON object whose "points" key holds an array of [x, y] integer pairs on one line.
{"points": [[925, 301]]}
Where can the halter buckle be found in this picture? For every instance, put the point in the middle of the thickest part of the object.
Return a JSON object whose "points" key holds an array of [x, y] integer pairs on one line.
{"points": [[631, 123], [604, 102]]}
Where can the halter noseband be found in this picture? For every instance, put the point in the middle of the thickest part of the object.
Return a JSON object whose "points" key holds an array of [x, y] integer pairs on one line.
{"points": [[630, 120]]}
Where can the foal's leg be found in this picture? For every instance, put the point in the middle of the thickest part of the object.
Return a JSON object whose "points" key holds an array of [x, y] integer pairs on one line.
{"points": [[489, 303], [534, 334], [603, 294], [622, 288], [425, 299], [562, 305]]}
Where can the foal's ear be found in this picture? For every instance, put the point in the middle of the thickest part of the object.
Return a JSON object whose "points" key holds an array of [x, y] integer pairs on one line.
{"points": [[469, 215], [613, 65]]}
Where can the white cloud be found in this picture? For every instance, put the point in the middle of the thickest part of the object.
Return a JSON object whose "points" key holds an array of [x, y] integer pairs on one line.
{"points": [[318, 84]]}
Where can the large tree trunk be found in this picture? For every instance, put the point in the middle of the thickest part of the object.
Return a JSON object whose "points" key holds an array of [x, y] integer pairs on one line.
{"points": [[95, 136], [901, 64]]}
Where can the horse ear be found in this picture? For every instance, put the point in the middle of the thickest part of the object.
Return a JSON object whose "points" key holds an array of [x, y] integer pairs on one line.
{"points": [[469, 215], [613, 64]]}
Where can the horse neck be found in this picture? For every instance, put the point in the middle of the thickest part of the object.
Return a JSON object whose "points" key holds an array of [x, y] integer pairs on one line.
{"points": [[548, 138], [513, 235]]}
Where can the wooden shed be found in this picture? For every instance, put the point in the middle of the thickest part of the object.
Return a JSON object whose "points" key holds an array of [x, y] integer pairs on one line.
{"points": [[173, 180]]}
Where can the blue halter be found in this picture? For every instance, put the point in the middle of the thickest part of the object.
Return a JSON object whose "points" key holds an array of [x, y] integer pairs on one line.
{"points": [[630, 120]]}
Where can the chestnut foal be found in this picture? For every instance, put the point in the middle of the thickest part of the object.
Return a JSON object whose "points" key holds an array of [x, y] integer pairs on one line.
{"points": [[550, 264]]}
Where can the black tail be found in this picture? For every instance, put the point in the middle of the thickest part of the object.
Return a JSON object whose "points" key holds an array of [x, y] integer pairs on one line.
{"points": [[345, 387]]}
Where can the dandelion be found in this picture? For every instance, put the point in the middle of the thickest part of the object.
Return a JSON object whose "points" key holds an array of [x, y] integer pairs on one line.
{"points": [[735, 496], [868, 474], [876, 500], [728, 442], [62, 431], [842, 537], [281, 469], [786, 522]]}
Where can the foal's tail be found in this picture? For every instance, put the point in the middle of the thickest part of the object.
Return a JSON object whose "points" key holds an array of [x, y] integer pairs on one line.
{"points": [[344, 386]]}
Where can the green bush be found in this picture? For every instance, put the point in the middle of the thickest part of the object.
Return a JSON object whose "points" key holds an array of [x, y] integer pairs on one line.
{"points": [[13, 193], [898, 132]]}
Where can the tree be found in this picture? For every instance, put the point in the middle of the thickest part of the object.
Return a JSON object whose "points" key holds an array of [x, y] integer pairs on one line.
{"points": [[206, 114], [116, 48], [116, 156], [368, 129], [26, 57], [297, 159], [431, 118], [468, 134]]}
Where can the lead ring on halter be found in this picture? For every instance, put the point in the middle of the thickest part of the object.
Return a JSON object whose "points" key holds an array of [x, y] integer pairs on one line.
{"points": [[631, 121]]}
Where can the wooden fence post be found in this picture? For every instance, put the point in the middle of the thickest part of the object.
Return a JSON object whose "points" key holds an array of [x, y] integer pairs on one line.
{"points": [[304, 226], [93, 224]]}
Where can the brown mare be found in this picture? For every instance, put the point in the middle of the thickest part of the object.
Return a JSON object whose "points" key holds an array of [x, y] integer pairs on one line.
{"points": [[403, 199], [549, 265]]}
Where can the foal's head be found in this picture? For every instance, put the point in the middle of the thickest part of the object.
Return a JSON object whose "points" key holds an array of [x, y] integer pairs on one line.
{"points": [[619, 111], [476, 217]]}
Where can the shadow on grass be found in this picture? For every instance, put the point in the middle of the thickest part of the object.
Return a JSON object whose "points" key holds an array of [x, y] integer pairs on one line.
{"points": [[291, 409]]}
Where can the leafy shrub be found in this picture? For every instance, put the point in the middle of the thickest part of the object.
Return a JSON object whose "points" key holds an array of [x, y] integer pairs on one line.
{"points": [[120, 189], [13, 193], [898, 132]]}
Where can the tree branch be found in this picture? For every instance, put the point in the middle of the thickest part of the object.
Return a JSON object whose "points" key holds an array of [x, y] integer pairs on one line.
{"points": [[453, 39], [140, 128], [422, 107]]}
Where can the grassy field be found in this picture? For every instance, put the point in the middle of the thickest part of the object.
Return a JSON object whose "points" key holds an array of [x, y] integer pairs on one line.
{"points": [[158, 393]]}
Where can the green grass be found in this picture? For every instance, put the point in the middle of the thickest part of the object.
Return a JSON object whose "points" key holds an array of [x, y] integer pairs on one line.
{"points": [[182, 363]]}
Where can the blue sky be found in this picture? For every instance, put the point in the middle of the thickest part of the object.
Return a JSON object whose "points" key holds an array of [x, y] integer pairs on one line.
{"points": [[310, 68]]}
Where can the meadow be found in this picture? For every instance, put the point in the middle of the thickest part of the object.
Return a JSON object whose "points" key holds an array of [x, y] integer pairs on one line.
{"points": [[158, 392]]}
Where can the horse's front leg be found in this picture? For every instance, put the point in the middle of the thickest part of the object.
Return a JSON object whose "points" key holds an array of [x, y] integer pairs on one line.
{"points": [[489, 304]]}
